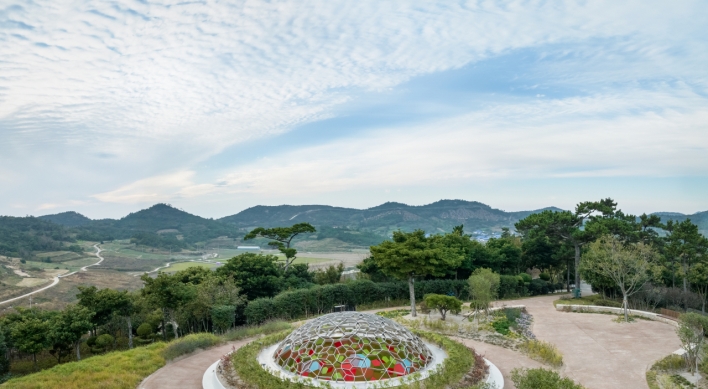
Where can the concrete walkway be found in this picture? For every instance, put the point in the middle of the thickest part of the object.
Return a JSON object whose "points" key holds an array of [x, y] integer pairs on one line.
{"points": [[506, 360], [187, 373], [597, 352]]}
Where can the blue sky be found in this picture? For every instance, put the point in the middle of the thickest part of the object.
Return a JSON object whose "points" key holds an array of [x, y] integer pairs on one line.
{"points": [[107, 107]]}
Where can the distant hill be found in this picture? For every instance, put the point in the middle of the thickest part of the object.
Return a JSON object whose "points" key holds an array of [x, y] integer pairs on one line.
{"points": [[21, 236], [699, 218], [440, 216], [157, 226], [69, 219]]}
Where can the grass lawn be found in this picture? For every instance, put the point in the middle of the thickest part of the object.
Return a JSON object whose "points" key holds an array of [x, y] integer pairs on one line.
{"points": [[121, 369], [175, 267]]}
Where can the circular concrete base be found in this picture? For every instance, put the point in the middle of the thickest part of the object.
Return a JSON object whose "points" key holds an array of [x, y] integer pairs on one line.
{"points": [[495, 378], [210, 379], [265, 358]]}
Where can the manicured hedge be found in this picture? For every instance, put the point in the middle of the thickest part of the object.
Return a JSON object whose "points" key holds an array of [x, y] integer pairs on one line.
{"points": [[300, 303], [322, 299]]}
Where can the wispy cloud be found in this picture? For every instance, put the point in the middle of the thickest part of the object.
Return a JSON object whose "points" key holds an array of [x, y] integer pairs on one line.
{"points": [[161, 87]]}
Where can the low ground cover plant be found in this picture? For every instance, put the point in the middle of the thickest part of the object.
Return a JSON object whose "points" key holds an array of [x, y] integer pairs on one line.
{"points": [[115, 370], [658, 376], [267, 328], [541, 378], [189, 344], [394, 314], [543, 352]]}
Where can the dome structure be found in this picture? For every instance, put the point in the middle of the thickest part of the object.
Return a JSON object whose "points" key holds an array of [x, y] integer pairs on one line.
{"points": [[352, 346]]}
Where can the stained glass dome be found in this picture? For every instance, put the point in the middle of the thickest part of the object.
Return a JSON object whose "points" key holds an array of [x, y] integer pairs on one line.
{"points": [[352, 346]]}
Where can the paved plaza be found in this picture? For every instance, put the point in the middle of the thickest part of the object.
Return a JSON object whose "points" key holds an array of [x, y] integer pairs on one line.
{"points": [[597, 352]]}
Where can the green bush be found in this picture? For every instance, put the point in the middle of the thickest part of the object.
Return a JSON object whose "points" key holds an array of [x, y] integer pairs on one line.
{"points": [[541, 379], [525, 277], [104, 343], [511, 286], [545, 276], [501, 326], [188, 344], [539, 286], [144, 330]]}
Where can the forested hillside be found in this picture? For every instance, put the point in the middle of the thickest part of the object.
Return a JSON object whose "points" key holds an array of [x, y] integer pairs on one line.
{"points": [[158, 226], [440, 216], [699, 218], [20, 236], [69, 219]]}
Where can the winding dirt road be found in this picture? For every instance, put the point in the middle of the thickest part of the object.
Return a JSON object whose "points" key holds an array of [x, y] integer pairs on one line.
{"points": [[55, 281]]}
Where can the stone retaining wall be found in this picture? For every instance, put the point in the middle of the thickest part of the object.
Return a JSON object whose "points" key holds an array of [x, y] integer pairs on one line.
{"points": [[619, 311]]}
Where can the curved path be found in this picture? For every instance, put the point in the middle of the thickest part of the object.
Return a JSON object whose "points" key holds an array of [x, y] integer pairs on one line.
{"points": [[56, 279], [187, 373], [597, 352]]}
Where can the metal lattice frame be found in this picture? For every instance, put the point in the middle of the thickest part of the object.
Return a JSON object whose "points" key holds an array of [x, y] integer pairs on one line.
{"points": [[352, 346]]}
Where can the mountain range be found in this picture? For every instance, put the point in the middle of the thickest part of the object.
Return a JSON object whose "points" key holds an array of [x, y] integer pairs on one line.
{"points": [[440, 216], [165, 226]]}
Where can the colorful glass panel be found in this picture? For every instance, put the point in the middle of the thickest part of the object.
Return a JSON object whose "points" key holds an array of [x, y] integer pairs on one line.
{"points": [[352, 346]]}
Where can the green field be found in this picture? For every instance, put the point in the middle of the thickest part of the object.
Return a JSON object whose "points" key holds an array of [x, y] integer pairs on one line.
{"points": [[175, 267]]}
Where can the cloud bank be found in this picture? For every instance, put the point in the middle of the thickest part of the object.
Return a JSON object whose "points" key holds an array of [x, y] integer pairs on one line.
{"points": [[110, 104]]}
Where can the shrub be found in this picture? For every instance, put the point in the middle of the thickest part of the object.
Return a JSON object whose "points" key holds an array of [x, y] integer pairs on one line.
{"points": [[539, 286], [144, 330], [545, 276], [501, 325], [608, 303], [188, 344], [525, 277], [541, 378], [543, 352], [510, 286], [104, 342], [264, 329], [512, 314], [259, 311], [322, 298]]}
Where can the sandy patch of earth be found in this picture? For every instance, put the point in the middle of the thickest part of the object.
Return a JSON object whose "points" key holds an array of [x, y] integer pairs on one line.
{"points": [[18, 271], [30, 282]]}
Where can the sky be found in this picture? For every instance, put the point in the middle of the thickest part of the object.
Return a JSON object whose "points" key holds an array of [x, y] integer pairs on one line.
{"points": [[108, 107]]}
